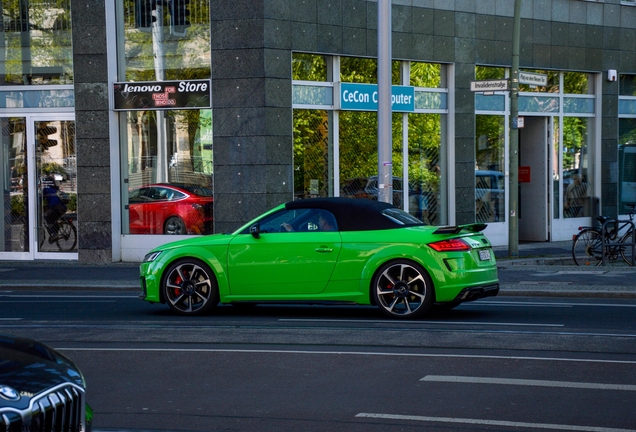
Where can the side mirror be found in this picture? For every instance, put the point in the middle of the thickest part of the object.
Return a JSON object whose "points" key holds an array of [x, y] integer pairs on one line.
{"points": [[255, 230]]}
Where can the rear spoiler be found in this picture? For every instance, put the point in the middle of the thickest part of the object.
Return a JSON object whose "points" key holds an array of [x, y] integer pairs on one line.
{"points": [[476, 227]]}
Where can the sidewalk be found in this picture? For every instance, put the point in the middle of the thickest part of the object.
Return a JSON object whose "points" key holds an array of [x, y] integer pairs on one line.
{"points": [[539, 269]]}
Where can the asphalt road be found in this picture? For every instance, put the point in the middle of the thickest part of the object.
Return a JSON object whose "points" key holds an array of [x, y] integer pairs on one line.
{"points": [[500, 364]]}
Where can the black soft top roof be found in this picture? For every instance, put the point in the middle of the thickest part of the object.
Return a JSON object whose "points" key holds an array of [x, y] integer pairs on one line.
{"points": [[352, 214]]}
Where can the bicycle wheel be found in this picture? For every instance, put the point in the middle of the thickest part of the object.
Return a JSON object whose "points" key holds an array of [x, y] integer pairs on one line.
{"points": [[587, 248], [66, 236], [626, 249]]}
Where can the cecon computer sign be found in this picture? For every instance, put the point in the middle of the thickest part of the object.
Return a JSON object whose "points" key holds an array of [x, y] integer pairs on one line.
{"points": [[364, 97]]}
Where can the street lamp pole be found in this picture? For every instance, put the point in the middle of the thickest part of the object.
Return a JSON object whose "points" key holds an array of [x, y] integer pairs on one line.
{"points": [[385, 142], [513, 222]]}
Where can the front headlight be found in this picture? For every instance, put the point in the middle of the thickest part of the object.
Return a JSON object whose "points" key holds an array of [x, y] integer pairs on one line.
{"points": [[152, 256]]}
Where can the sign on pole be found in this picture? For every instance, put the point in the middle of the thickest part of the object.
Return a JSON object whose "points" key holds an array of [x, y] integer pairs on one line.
{"points": [[489, 85], [533, 79]]}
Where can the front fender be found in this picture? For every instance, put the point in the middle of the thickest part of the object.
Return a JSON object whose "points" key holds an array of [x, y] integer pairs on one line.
{"points": [[215, 257]]}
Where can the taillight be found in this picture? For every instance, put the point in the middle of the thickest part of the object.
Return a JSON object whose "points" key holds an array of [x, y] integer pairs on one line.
{"points": [[450, 245]]}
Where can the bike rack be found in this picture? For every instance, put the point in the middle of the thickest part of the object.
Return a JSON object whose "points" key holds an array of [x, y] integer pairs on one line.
{"points": [[623, 224]]}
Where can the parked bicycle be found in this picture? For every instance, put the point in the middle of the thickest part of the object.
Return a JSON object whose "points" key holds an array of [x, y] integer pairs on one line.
{"points": [[604, 242], [65, 239]]}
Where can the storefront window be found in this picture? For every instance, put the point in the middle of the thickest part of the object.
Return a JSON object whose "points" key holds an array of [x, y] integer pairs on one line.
{"points": [[309, 67], [576, 175], [427, 170], [35, 42], [174, 47], [489, 177], [626, 164], [169, 189], [167, 171], [313, 154]]}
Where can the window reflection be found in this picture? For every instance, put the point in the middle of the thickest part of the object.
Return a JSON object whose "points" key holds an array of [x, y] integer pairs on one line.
{"points": [[36, 43], [170, 172]]}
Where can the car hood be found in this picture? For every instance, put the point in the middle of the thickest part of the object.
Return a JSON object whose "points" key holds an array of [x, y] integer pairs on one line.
{"points": [[29, 367]]}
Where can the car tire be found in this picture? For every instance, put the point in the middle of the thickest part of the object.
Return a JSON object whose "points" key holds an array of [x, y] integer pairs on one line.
{"points": [[402, 289], [190, 287], [174, 225]]}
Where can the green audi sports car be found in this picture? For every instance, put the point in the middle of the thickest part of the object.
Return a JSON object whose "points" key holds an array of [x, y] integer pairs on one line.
{"points": [[322, 250]]}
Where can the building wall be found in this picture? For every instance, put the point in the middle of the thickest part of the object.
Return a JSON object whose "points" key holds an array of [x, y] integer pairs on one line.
{"points": [[252, 42], [92, 130]]}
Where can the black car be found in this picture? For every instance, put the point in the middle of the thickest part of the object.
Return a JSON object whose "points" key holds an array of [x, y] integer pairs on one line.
{"points": [[40, 389]]}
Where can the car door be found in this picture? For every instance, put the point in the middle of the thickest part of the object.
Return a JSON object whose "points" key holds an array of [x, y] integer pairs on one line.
{"points": [[283, 263]]}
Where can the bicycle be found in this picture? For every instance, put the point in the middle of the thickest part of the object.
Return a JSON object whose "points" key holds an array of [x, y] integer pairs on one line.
{"points": [[593, 245], [66, 237]]}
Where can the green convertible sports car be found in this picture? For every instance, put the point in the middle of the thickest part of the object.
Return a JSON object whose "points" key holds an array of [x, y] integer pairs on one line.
{"points": [[321, 250]]}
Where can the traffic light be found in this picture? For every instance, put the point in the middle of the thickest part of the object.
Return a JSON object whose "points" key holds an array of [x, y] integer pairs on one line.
{"points": [[179, 17], [43, 133], [143, 14]]}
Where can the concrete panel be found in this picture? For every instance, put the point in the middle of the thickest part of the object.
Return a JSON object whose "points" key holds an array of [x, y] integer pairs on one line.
{"points": [[423, 21], [444, 24], [91, 124], [485, 27], [278, 92], [465, 25], [402, 19], [94, 236], [277, 64], [88, 12], [94, 208], [354, 13], [576, 57], [503, 29], [304, 11], [402, 46], [354, 41], [444, 49], [464, 50], [611, 15], [241, 34], [304, 37], [93, 180], [246, 63], [93, 152], [329, 39], [595, 15], [90, 68], [542, 10], [238, 9], [611, 38], [561, 10], [278, 9], [560, 58], [329, 12], [89, 40], [91, 96]]}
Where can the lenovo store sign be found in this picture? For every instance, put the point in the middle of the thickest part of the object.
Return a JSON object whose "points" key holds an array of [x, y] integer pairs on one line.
{"points": [[161, 95]]}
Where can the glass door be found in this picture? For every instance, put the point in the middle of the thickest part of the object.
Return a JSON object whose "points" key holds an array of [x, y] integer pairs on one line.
{"points": [[15, 185], [39, 174]]}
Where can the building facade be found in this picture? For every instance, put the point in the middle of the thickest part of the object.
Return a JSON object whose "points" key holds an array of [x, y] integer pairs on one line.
{"points": [[130, 123]]}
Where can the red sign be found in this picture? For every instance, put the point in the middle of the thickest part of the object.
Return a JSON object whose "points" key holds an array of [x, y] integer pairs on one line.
{"points": [[524, 174]]}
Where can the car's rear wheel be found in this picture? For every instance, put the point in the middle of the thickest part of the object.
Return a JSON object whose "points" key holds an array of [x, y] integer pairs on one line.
{"points": [[174, 225], [190, 288], [402, 289]]}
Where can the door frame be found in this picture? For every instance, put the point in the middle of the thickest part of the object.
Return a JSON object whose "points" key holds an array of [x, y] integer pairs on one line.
{"points": [[32, 201]]}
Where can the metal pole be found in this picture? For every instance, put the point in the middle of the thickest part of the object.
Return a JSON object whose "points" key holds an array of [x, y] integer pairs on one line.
{"points": [[513, 222], [385, 142]]}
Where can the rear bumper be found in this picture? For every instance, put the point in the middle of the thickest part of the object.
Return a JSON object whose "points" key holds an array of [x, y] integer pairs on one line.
{"points": [[475, 293]]}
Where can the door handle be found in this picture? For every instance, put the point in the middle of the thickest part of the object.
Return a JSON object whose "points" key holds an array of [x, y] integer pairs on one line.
{"points": [[324, 249]]}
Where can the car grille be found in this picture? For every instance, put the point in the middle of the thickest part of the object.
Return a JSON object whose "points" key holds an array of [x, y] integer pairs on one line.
{"points": [[60, 409]]}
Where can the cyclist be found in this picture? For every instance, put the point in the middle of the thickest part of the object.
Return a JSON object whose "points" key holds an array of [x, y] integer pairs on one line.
{"points": [[54, 207]]}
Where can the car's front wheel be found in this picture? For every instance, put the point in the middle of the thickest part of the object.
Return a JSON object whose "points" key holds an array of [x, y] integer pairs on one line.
{"points": [[402, 289], [190, 288]]}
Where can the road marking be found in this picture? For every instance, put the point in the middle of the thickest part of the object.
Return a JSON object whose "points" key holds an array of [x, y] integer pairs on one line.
{"points": [[67, 296], [416, 322], [352, 353], [58, 301], [542, 283], [10, 319], [527, 382], [493, 423], [539, 304]]}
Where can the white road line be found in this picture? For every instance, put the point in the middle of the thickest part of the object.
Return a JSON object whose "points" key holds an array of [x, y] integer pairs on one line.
{"points": [[472, 323], [10, 319], [352, 353], [66, 296], [539, 304], [527, 382], [58, 301], [493, 423]]}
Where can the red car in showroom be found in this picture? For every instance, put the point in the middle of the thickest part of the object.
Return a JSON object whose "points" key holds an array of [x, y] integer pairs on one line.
{"points": [[170, 208]]}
